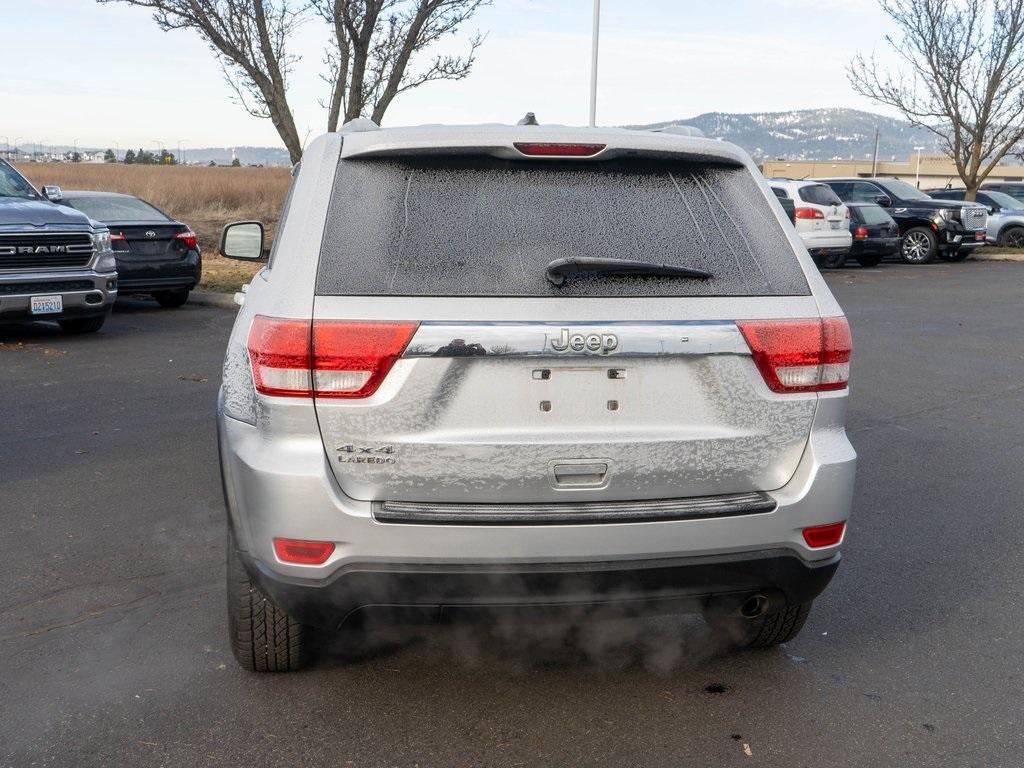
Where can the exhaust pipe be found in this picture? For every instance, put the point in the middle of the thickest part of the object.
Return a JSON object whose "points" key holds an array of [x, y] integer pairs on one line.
{"points": [[754, 606]]}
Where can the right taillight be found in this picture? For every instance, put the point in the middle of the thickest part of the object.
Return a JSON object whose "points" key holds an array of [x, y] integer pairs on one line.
{"points": [[324, 358], [860, 233], [806, 355], [809, 213]]}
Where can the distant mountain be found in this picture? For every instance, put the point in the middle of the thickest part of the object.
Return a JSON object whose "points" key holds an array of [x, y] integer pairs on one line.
{"points": [[807, 134], [812, 134]]}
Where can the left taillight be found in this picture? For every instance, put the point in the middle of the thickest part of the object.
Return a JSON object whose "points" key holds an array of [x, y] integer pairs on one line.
{"points": [[118, 242], [324, 358], [805, 355], [188, 238]]}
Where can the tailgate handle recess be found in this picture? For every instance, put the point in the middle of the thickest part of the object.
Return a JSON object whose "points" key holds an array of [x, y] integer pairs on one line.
{"points": [[582, 475]]}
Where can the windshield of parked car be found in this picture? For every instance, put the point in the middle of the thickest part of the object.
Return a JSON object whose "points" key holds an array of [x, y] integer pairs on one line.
{"points": [[903, 190], [482, 226], [1016, 192], [1002, 199], [13, 184], [118, 209]]}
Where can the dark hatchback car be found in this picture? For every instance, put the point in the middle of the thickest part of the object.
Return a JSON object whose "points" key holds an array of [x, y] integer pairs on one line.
{"points": [[875, 234], [156, 255]]}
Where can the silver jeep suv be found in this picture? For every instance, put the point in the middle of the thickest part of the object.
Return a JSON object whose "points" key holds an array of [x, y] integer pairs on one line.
{"points": [[528, 366]]}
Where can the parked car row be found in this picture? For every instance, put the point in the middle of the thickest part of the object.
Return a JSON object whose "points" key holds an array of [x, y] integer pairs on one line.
{"points": [[67, 256], [872, 218]]}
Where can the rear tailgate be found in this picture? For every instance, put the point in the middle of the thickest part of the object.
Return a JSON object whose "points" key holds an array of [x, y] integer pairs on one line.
{"points": [[494, 412], [509, 389]]}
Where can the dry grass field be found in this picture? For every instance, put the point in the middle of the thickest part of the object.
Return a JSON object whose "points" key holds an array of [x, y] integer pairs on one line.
{"points": [[204, 198]]}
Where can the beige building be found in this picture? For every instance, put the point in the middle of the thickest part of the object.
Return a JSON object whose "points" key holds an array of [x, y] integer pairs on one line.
{"points": [[935, 170]]}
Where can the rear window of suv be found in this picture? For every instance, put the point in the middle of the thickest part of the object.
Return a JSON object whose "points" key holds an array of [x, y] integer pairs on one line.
{"points": [[483, 226], [873, 214], [819, 194]]}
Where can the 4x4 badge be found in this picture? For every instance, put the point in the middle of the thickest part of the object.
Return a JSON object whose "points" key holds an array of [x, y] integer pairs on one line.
{"points": [[602, 343]]}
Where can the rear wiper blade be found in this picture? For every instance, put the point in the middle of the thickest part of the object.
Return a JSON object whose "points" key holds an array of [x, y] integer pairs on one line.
{"points": [[559, 269]]}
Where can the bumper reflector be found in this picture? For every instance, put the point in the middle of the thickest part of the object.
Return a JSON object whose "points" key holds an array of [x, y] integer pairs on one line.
{"points": [[824, 535], [303, 552]]}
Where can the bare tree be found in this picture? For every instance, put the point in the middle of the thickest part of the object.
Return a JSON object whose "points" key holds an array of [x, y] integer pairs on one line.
{"points": [[372, 45], [374, 42], [250, 39], [962, 77]]}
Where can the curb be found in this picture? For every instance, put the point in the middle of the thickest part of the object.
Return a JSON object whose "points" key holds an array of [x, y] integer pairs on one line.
{"points": [[998, 256], [211, 299]]}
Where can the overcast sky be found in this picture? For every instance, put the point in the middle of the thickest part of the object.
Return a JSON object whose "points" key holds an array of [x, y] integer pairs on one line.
{"points": [[105, 74]]}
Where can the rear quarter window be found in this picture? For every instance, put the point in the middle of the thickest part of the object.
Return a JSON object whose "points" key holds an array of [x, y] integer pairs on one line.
{"points": [[482, 226], [819, 194]]}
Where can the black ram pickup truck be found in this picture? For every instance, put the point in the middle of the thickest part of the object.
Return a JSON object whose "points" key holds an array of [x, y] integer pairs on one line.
{"points": [[55, 262], [929, 227]]}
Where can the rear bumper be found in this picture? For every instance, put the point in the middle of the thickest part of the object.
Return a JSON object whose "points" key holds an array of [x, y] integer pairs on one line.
{"points": [[286, 488], [171, 274], [875, 246], [83, 293], [662, 586], [828, 241]]}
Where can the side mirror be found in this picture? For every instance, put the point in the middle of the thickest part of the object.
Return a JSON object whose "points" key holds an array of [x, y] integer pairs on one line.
{"points": [[883, 201], [53, 194], [243, 240]]}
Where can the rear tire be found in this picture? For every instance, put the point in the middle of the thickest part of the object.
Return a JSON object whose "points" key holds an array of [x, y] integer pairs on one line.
{"points": [[765, 631], [919, 245], [1012, 237], [264, 638], [171, 299], [869, 261], [80, 325], [833, 261]]}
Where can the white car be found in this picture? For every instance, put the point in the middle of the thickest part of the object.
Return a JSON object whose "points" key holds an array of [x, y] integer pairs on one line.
{"points": [[821, 219]]}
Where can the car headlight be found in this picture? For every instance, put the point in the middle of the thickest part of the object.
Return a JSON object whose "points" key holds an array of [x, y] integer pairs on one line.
{"points": [[107, 262], [945, 214]]}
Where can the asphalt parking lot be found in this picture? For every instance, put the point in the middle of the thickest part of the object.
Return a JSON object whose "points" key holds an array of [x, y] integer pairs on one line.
{"points": [[113, 648]]}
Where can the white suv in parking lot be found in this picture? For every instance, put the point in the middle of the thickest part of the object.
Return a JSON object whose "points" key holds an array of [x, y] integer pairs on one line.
{"points": [[508, 367], [821, 218]]}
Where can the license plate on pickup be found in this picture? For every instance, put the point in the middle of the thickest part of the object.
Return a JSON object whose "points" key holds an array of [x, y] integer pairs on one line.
{"points": [[47, 305]]}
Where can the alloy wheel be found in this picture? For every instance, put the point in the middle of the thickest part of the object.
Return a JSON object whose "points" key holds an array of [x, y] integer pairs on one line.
{"points": [[916, 246]]}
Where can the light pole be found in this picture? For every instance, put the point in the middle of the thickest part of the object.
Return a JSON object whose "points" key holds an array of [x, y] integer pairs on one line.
{"points": [[75, 151], [159, 150], [917, 175], [117, 151], [181, 153], [16, 140], [593, 63]]}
